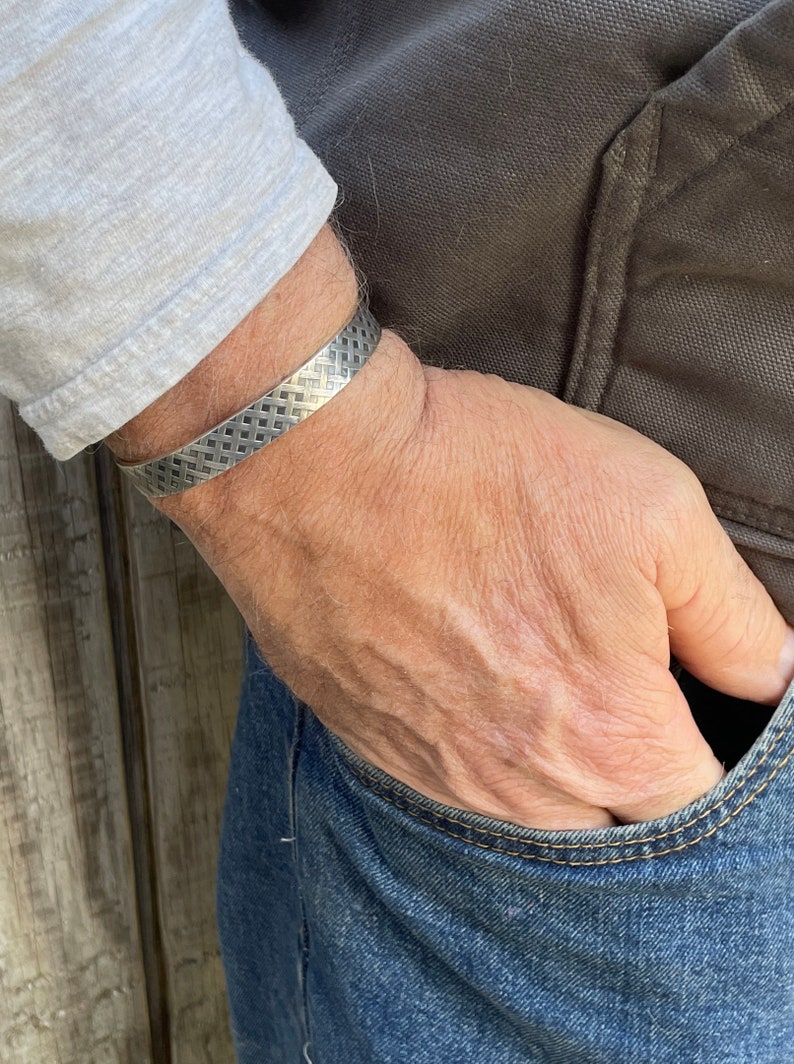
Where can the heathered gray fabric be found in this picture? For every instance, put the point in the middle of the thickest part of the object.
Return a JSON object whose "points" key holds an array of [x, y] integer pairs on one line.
{"points": [[651, 280], [152, 190], [468, 139]]}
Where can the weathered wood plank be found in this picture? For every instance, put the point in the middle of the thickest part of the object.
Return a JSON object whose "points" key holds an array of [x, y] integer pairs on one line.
{"points": [[71, 977], [189, 645]]}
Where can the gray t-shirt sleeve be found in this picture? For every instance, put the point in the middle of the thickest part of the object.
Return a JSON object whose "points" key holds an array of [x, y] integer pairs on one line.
{"points": [[152, 190]]}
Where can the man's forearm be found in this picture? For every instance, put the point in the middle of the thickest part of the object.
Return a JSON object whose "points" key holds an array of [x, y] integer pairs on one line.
{"points": [[305, 309]]}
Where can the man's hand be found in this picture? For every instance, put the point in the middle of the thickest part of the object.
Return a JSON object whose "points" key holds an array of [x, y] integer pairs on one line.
{"points": [[478, 588]]}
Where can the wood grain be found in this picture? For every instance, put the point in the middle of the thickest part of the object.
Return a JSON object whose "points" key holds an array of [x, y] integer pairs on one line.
{"points": [[189, 638], [71, 978], [118, 647]]}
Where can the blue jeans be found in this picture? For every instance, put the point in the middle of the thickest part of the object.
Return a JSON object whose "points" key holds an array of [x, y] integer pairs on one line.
{"points": [[362, 923]]}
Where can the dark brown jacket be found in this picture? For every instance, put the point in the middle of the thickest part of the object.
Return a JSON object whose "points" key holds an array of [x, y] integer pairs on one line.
{"points": [[595, 197]]}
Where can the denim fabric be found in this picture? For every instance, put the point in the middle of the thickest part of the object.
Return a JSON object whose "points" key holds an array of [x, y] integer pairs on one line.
{"points": [[592, 197], [363, 924]]}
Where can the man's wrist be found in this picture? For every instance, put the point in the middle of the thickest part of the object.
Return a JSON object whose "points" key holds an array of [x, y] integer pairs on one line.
{"points": [[298, 316]]}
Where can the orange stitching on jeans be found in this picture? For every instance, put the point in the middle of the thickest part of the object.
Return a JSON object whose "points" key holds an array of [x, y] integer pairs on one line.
{"points": [[363, 775], [610, 860]]}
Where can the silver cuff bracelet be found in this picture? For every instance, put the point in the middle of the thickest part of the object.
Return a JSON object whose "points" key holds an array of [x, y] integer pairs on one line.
{"points": [[247, 432]]}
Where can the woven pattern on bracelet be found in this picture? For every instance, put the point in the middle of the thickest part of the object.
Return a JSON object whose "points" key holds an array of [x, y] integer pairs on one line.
{"points": [[248, 431]]}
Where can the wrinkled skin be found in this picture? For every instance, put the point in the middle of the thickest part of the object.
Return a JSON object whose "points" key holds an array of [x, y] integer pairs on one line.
{"points": [[478, 588]]}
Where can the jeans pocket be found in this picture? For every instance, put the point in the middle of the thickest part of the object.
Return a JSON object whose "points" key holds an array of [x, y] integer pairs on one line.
{"points": [[364, 923], [769, 757], [439, 935]]}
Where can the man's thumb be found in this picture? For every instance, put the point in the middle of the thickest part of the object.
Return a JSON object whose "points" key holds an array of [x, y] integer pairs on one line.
{"points": [[724, 627]]}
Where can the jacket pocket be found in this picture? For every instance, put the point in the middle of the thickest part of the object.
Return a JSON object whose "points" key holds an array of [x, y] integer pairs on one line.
{"points": [[687, 325]]}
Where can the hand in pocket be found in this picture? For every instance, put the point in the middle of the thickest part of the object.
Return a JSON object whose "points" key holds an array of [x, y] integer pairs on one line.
{"points": [[478, 587]]}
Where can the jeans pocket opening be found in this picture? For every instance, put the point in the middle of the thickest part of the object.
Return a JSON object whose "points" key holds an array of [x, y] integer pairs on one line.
{"points": [[700, 820]]}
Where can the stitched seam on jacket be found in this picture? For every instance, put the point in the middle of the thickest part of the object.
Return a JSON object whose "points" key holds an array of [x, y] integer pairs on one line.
{"points": [[347, 23], [693, 175], [626, 237], [375, 784], [611, 244], [589, 325], [607, 861], [627, 234], [743, 516], [651, 157]]}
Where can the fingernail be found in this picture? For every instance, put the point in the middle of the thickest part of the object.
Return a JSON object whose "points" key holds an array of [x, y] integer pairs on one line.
{"points": [[785, 665]]}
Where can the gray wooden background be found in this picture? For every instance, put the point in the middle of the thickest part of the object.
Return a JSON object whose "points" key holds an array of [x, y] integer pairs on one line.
{"points": [[119, 667]]}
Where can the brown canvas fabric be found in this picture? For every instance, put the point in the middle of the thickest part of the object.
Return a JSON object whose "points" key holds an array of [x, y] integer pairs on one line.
{"points": [[594, 197], [687, 325]]}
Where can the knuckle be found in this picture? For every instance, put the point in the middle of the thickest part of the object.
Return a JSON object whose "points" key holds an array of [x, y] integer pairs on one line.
{"points": [[679, 509], [678, 493], [618, 747]]}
